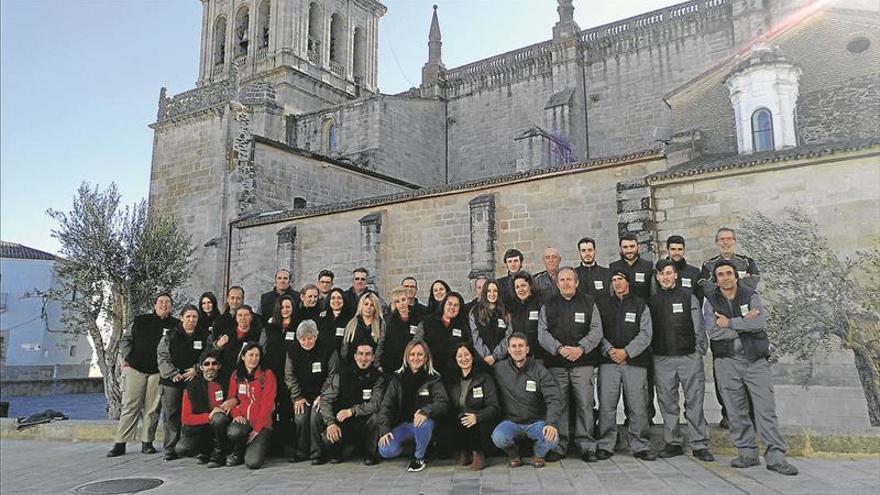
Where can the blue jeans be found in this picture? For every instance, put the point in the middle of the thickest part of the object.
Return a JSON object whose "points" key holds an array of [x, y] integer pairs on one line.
{"points": [[507, 433], [406, 432]]}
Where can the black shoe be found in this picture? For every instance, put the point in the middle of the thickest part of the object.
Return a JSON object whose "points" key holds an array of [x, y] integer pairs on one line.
{"points": [[147, 448], [203, 458], [671, 451], [783, 468], [216, 462], [416, 465], [646, 455], [171, 456], [589, 457], [371, 460], [744, 462], [296, 458], [724, 424], [317, 461], [336, 460], [553, 456], [234, 460], [603, 455], [704, 455], [117, 450]]}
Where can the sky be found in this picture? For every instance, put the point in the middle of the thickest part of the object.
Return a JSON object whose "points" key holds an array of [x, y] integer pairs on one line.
{"points": [[80, 80]]}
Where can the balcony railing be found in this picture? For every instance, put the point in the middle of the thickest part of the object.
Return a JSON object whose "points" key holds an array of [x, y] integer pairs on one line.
{"points": [[314, 49], [337, 68]]}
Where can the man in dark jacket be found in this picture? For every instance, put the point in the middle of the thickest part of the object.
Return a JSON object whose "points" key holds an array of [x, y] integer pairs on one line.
{"points": [[530, 401], [626, 324], [679, 344], [594, 279], [639, 270], [570, 329], [283, 279], [687, 276], [513, 260], [735, 319], [140, 375], [205, 415], [348, 407]]}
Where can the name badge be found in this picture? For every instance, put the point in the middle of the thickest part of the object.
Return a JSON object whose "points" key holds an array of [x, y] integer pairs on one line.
{"points": [[340, 331], [366, 393], [289, 335], [533, 315], [197, 345], [218, 395], [242, 388], [598, 284], [579, 318], [640, 277], [456, 332], [424, 392], [742, 274], [501, 323], [316, 367], [629, 317], [478, 392], [211, 329], [744, 308], [322, 314], [413, 329], [531, 386], [164, 332], [677, 308], [685, 282]]}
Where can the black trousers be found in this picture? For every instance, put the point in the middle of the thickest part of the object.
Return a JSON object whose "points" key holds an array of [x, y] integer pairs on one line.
{"points": [[282, 422], [359, 433], [208, 439], [307, 443], [254, 453], [454, 437]]}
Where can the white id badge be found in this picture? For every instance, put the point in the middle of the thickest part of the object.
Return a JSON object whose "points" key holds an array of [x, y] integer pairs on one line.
{"points": [[197, 345], [677, 308], [413, 329], [218, 395], [164, 332], [579, 318], [323, 314], [533, 315], [742, 274], [640, 277], [598, 284], [501, 323], [685, 282], [531, 386], [630, 317], [366, 393], [478, 392], [340, 331], [424, 392], [316, 367], [456, 332], [289, 335], [242, 388], [744, 308]]}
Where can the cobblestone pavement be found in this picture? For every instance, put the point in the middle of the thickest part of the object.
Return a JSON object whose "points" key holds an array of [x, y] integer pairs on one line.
{"points": [[75, 406], [32, 467]]}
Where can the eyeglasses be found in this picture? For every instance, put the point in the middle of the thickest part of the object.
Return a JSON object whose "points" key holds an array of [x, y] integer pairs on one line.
{"points": [[208, 364], [360, 278]]}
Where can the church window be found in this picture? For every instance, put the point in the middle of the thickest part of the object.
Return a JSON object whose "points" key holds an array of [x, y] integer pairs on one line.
{"points": [[328, 136], [358, 55], [242, 23], [336, 40], [220, 41], [263, 31], [315, 33], [762, 130]]}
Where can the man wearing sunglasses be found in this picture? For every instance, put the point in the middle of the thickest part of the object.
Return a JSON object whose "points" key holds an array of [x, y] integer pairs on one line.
{"points": [[205, 415], [359, 287]]}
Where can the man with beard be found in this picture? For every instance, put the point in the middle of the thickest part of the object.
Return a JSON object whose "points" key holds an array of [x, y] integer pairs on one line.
{"points": [[688, 276], [593, 278]]}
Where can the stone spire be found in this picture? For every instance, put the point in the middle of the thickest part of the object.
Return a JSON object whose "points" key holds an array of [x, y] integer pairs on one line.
{"points": [[566, 26], [432, 69]]}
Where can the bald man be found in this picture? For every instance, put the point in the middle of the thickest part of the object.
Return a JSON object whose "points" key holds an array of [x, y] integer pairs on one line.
{"points": [[545, 281]]}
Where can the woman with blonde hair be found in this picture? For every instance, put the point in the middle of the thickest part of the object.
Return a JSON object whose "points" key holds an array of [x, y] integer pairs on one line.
{"points": [[401, 325], [367, 327]]}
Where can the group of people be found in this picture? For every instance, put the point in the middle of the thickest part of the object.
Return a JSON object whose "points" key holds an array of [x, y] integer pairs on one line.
{"points": [[320, 373]]}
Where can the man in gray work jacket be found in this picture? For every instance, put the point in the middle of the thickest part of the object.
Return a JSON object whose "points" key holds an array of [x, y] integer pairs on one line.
{"points": [[735, 319]]}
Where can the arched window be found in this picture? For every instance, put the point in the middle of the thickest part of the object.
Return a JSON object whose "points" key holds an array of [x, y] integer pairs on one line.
{"points": [[263, 19], [762, 130], [328, 136], [315, 32], [336, 38], [220, 41], [358, 55], [242, 22]]}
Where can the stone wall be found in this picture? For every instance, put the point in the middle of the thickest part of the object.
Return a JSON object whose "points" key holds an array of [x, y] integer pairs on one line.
{"points": [[844, 112]]}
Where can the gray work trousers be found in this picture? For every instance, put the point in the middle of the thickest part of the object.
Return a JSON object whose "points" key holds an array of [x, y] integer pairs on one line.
{"points": [[140, 401], [634, 381], [171, 397], [576, 384], [687, 370], [741, 379]]}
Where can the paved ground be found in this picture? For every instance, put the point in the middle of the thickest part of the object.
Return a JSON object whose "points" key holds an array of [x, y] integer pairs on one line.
{"points": [[31, 467], [75, 406]]}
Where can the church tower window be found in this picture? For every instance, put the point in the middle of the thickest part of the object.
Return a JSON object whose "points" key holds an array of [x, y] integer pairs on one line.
{"points": [[264, 16], [337, 44], [315, 33], [220, 41], [358, 55], [762, 130], [242, 23]]}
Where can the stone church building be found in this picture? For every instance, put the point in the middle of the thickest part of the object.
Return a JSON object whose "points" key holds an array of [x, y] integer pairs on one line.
{"points": [[677, 121]]}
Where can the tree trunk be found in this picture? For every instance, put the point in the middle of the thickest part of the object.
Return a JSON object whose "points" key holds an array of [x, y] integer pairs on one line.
{"points": [[865, 344]]}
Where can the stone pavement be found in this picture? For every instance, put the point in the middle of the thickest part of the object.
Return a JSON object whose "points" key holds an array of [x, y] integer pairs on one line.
{"points": [[33, 467]]}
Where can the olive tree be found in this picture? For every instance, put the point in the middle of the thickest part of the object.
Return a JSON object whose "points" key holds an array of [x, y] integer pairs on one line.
{"points": [[819, 299], [115, 259]]}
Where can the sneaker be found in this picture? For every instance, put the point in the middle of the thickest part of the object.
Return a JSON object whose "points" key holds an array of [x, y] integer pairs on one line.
{"points": [[216, 462], [147, 448], [671, 451], [724, 424], [783, 468], [416, 465], [234, 460], [645, 455], [744, 462], [589, 456], [603, 455], [704, 455], [553, 456], [117, 450], [203, 458]]}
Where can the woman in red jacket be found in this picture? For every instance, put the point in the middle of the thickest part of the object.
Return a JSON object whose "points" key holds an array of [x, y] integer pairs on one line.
{"points": [[255, 389]]}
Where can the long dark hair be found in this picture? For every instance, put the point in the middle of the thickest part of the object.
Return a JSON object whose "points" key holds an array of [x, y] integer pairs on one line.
{"points": [[460, 318], [277, 319], [435, 306], [240, 369], [347, 310], [479, 364], [482, 313], [208, 318]]}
